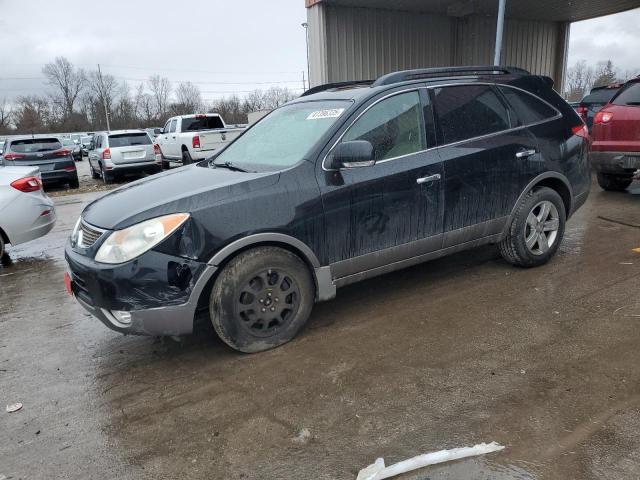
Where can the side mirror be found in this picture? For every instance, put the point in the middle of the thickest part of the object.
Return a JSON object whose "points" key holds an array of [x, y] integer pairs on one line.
{"points": [[157, 131], [353, 154]]}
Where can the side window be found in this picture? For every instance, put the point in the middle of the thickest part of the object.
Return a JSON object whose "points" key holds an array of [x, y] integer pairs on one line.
{"points": [[527, 108], [98, 141], [173, 125], [469, 111], [165, 129], [629, 95], [394, 126]]}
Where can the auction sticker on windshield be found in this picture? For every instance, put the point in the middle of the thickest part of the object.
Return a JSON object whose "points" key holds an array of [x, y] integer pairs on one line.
{"points": [[327, 113]]}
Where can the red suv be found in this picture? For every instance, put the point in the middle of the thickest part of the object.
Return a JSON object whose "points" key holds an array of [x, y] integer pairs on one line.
{"points": [[615, 148]]}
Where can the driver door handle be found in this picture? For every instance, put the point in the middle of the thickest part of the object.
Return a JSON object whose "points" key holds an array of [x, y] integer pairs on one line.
{"points": [[526, 153], [430, 178]]}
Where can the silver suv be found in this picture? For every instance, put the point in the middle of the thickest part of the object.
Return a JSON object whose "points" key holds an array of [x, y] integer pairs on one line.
{"points": [[121, 151]]}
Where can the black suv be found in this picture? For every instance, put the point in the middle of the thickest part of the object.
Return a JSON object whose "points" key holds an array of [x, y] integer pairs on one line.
{"points": [[347, 182]]}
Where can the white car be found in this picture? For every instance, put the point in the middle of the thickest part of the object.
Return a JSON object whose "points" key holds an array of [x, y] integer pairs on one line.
{"points": [[26, 212]]}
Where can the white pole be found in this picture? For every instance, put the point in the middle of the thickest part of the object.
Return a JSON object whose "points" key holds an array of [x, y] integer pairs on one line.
{"points": [[499, 30], [104, 100]]}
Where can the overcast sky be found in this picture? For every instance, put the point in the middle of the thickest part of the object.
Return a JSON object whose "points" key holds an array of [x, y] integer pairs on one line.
{"points": [[221, 45]]}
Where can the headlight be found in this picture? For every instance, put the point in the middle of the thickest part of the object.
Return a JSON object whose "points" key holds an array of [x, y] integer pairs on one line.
{"points": [[74, 232], [124, 245]]}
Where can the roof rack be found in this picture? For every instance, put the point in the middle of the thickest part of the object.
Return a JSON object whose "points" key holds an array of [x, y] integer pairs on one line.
{"points": [[327, 86], [420, 73]]}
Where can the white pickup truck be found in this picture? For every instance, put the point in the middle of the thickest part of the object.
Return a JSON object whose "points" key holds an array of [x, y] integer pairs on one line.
{"points": [[189, 138]]}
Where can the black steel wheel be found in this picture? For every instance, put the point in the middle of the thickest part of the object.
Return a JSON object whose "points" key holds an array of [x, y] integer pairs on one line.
{"points": [[261, 299], [186, 157]]}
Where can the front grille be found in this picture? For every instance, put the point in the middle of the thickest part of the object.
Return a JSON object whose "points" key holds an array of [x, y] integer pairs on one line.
{"points": [[89, 236]]}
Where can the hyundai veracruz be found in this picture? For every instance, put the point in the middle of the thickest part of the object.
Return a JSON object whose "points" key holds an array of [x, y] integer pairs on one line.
{"points": [[347, 182]]}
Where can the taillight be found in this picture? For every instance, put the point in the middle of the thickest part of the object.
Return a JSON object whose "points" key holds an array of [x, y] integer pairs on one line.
{"points": [[13, 156], [27, 184], [582, 111], [62, 153], [602, 117], [581, 131], [156, 149], [195, 141], [106, 155], [70, 168]]}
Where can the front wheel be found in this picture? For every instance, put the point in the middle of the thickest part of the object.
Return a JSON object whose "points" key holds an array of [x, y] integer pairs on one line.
{"points": [[536, 229], [261, 299], [2, 247], [614, 183]]}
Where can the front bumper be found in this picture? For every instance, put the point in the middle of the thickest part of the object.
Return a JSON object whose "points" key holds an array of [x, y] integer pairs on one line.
{"points": [[615, 163], [161, 292]]}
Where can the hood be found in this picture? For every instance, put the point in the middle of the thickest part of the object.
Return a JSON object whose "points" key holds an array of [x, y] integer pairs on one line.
{"points": [[185, 189]]}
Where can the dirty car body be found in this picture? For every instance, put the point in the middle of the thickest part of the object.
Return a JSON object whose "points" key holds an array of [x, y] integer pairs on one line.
{"points": [[370, 178]]}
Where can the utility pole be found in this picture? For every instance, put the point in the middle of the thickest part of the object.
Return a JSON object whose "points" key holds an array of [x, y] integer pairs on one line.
{"points": [[104, 99], [305, 25], [499, 30]]}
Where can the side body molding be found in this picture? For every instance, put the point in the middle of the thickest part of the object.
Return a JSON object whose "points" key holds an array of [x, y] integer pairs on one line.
{"points": [[325, 288]]}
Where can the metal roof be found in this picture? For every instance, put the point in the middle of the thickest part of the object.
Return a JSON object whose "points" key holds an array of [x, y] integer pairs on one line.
{"points": [[554, 10]]}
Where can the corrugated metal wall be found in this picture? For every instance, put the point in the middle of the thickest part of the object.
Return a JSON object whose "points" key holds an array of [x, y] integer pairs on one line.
{"points": [[349, 43]]}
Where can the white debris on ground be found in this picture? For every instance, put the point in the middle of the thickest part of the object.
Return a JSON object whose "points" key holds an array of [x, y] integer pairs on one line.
{"points": [[378, 471], [14, 407], [303, 436]]}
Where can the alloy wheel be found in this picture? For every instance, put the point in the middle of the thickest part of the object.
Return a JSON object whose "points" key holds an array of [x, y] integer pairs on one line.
{"points": [[541, 228], [268, 302]]}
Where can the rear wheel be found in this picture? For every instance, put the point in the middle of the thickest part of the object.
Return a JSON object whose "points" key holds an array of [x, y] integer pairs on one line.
{"points": [[186, 157], [95, 175], [261, 299], [2, 247], [614, 183], [536, 229], [74, 182], [106, 177]]}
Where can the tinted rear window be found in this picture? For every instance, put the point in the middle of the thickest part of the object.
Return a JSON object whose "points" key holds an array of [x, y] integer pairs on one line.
{"points": [[527, 108], [201, 123], [600, 96], [469, 111], [129, 140], [35, 145], [629, 95]]}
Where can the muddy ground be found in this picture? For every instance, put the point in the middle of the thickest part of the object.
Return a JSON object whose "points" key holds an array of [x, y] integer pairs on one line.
{"points": [[462, 350]]}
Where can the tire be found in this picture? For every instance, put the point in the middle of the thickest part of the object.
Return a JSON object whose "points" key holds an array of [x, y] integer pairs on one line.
{"points": [[106, 178], [186, 157], [165, 165], [530, 242], [614, 183], [243, 288], [95, 175], [74, 183], [2, 247]]}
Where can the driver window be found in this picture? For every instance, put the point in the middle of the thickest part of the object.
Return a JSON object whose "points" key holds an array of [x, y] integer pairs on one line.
{"points": [[173, 125], [394, 126], [165, 129]]}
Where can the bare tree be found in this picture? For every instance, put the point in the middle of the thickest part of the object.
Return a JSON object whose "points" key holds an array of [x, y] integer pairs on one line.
{"points": [[188, 99], [103, 89], [144, 105], [32, 114], [230, 108], [160, 90], [579, 81], [67, 82], [605, 74], [6, 113], [276, 96]]}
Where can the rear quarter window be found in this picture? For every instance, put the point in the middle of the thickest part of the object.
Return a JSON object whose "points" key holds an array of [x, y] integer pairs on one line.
{"points": [[629, 95], [129, 140], [467, 111], [32, 145], [527, 108]]}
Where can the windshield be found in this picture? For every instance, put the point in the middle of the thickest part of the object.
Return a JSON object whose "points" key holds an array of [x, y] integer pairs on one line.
{"points": [[35, 145], [86, 140], [129, 139], [284, 137]]}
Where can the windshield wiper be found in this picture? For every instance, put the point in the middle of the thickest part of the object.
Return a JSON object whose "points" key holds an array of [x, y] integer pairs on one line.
{"points": [[230, 166]]}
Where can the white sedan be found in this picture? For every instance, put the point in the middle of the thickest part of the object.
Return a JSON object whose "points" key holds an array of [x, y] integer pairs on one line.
{"points": [[26, 212]]}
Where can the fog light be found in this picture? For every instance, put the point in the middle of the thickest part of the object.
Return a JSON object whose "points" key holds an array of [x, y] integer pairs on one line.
{"points": [[122, 317]]}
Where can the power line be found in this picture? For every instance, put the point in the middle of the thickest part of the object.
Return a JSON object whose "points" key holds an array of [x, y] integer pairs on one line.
{"points": [[196, 82]]}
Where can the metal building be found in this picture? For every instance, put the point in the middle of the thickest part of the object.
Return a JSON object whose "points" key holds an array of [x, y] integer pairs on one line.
{"points": [[363, 39]]}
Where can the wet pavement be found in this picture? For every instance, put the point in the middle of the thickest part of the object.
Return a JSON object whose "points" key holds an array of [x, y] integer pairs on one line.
{"points": [[450, 353]]}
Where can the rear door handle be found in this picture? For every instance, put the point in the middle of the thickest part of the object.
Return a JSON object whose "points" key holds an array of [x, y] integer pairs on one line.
{"points": [[525, 153], [430, 178]]}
